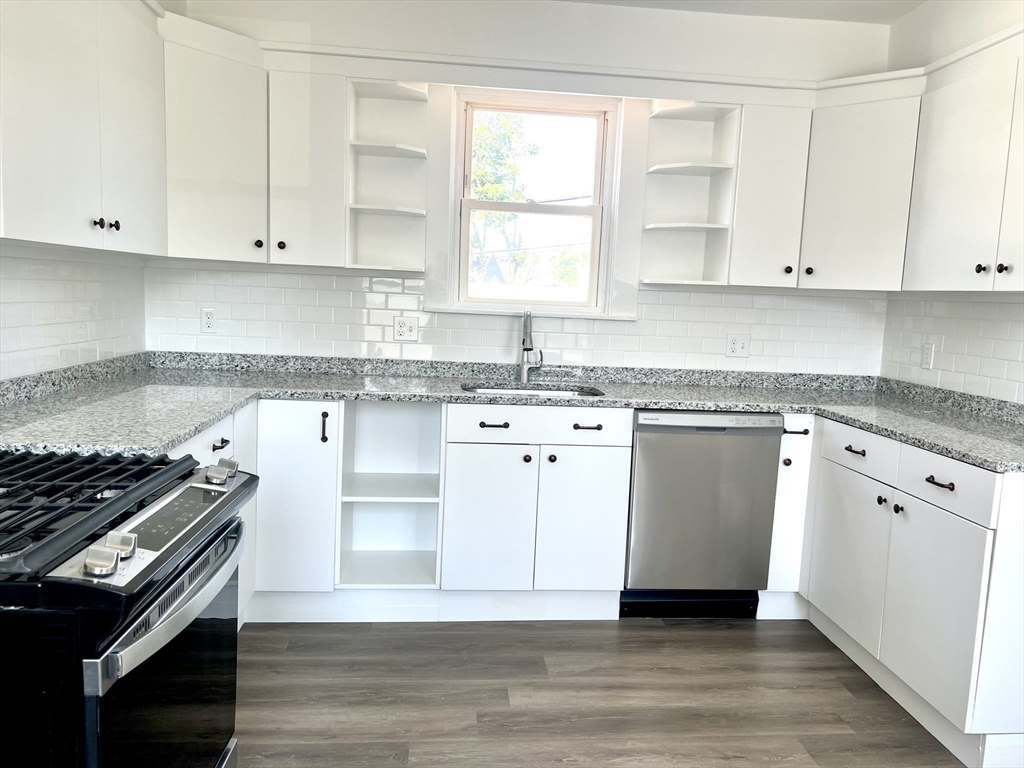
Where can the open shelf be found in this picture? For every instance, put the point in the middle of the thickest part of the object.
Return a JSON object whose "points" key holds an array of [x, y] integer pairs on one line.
{"points": [[389, 210], [389, 89], [690, 169], [389, 569], [391, 486], [374, 149], [685, 226]]}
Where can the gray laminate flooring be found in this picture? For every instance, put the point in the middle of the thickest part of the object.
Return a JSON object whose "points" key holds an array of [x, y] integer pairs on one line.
{"points": [[646, 693]]}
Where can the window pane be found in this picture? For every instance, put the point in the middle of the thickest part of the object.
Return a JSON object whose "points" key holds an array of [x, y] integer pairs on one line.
{"points": [[528, 257], [538, 157]]}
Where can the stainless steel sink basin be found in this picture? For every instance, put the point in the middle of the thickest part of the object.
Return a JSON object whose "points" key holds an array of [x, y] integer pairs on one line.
{"points": [[532, 390]]}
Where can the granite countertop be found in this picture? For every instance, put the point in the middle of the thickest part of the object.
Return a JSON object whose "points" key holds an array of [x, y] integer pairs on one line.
{"points": [[152, 410]]}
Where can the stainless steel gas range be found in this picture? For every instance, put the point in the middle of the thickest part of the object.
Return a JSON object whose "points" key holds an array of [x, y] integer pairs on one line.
{"points": [[119, 608]]}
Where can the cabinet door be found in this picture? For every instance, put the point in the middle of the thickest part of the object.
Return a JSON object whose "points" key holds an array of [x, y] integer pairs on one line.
{"points": [[307, 168], [134, 168], [490, 516], [859, 176], [245, 454], [50, 145], [1010, 255], [297, 499], [770, 196], [959, 182], [935, 603], [216, 156], [582, 517], [850, 550]]}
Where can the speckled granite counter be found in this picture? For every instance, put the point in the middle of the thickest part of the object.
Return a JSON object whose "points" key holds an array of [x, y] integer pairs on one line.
{"points": [[151, 410]]}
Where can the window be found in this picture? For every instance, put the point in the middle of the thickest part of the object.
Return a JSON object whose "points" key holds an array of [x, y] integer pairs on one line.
{"points": [[531, 205]]}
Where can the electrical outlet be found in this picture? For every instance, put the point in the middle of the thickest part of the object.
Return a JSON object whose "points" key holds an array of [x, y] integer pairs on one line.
{"points": [[927, 356], [737, 345], [407, 329], [208, 320]]}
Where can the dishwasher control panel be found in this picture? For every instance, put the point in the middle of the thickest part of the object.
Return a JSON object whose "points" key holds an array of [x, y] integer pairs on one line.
{"points": [[711, 419]]}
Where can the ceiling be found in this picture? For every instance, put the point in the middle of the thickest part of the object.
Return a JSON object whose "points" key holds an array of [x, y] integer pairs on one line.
{"points": [[866, 11]]}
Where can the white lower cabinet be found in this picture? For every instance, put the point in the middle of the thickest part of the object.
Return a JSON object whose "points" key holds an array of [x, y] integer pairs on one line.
{"points": [[582, 504], [850, 550], [245, 454], [936, 583], [297, 512], [490, 516]]}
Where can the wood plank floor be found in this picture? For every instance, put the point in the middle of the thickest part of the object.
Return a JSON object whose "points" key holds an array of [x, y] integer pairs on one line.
{"points": [[649, 693]]}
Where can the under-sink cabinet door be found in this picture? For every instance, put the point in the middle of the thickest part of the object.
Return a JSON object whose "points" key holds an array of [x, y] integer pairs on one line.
{"points": [[935, 591], [490, 516], [582, 517], [850, 550]]}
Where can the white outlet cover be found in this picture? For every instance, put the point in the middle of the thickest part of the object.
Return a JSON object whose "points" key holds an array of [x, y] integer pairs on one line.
{"points": [[208, 320], [406, 329], [737, 345], [927, 356]]}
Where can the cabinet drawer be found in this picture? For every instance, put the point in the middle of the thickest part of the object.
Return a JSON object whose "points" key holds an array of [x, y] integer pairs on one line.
{"points": [[867, 453], [533, 424], [968, 491], [201, 447]]}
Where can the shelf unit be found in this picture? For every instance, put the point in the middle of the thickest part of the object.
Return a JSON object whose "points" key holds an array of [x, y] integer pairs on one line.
{"points": [[387, 184], [391, 492], [688, 197]]}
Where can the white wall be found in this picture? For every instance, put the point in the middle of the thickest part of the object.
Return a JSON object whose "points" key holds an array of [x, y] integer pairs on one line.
{"points": [[59, 308], [587, 34], [941, 27]]}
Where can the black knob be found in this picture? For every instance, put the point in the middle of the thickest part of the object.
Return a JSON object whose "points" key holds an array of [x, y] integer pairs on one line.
{"points": [[809, 270], [1000, 268], [552, 458], [527, 458], [788, 270], [280, 244], [981, 268], [259, 243], [881, 500], [115, 225], [897, 508], [787, 462], [100, 222]]}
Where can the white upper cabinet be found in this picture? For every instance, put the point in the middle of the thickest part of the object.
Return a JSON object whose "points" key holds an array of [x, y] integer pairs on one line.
{"points": [[1010, 255], [859, 177], [959, 181], [49, 107], [216, 156], [769, 207], [134, 168], [307, 168]]}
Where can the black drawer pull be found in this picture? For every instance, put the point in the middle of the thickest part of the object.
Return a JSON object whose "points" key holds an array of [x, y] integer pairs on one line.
{"points": [[932, 481], [224, 443], [851, 449], [882, 500], [896, 508], [796, 431], [485, 425], [598, 428], [787, 462], [552, 458], [981, 268], [323, 426], [527, 458]]}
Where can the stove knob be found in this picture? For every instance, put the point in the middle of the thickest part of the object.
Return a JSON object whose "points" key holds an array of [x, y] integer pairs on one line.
{"points": [[101, 561], [123, 543], [217, 475], [229, 465]]}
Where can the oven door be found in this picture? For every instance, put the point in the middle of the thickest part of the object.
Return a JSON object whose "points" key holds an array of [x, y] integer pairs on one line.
{"points": [[163, 695]]}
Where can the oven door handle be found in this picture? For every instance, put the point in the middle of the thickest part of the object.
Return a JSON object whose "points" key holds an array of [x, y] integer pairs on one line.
{"points": [[127, 654]]}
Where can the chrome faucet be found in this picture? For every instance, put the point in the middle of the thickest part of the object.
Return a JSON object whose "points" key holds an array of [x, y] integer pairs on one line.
{"points": [[525, 364]]}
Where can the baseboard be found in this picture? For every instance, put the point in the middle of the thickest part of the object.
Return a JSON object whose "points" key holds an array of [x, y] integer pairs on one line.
{"points": [[430, 605], [781, 605], [1003, 750]]}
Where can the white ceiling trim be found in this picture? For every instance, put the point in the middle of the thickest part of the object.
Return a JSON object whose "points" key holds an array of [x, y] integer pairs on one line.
{"points": [[859, 11]]}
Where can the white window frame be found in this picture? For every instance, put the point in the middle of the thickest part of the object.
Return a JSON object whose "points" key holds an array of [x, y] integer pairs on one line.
{"points": [[606, 110]]}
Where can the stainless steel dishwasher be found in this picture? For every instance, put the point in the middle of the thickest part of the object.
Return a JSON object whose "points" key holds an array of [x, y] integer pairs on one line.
{"points": [[703, 500]]}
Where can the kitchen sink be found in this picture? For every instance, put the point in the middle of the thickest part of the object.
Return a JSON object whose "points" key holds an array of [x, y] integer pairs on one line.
{"points": [[532, 390]]}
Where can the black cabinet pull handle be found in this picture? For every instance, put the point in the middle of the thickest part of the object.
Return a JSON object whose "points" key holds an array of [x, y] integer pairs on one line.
{"points": [[115, 225], [851, 449], [788, 270], [932, 481], [1000, 268], [527, 458], [280, 244], [809, 270], [485, 425], [552, 458], [597, 428], [787, 462], [100, 222], [224, 443], [896, 508], [323, 426], [258, 243], [796, 431], [981, 268], [882, 500]]}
